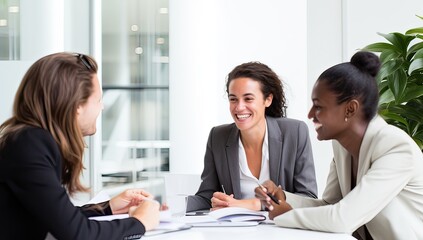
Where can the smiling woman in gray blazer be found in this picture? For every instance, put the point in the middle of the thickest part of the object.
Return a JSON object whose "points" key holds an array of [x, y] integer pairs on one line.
{"points": [[261, 144]]}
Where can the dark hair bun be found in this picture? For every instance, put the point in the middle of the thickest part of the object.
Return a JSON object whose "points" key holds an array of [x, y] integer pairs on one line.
{"points": [[366, 62]]}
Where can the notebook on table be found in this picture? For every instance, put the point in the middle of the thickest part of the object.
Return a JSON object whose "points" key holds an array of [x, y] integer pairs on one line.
{"points": [[230, 216]]}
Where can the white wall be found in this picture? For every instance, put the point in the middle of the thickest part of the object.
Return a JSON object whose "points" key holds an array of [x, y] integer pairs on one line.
{"points": [[47, 26], [205, 45], [41, 33], [324, 49], [379, 16]]}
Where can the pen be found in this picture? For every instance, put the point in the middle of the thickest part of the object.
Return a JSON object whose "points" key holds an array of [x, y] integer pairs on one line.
{"points": [[274, 199], [223, 189]]}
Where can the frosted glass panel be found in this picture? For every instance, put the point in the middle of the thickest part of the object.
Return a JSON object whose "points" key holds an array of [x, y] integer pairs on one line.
{"points": [[9, 30], [135, 78]]}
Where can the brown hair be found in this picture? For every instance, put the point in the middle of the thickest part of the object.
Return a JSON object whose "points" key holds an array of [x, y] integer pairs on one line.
{"points": [[269, 81], [48, 97]]}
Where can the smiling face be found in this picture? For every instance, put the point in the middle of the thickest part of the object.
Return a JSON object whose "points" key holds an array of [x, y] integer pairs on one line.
{"points": [[88, 112], [328, 116], [247, 103]]}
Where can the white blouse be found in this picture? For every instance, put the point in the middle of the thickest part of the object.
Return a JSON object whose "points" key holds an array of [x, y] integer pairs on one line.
{"points": [[248, 181]]}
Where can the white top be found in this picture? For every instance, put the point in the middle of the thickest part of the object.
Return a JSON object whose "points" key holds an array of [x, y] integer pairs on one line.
{"points": [[247, 180]]}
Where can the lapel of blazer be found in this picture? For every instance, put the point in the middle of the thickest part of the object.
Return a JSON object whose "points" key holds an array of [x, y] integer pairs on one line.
{"points": [[275, 142], [343, 167], [366, 147], [232, 160]]}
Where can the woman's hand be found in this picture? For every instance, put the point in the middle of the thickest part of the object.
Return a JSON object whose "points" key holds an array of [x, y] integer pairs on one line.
{"points": [[275, 209], [147, 212], [221, 200], [132, 197]]}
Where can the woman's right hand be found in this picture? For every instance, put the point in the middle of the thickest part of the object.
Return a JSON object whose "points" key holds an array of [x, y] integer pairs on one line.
{"points": [[277, 192], [147, 213], [268, 187]]}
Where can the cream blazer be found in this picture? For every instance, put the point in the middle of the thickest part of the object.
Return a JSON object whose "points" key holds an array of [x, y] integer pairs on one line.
{"points": [[388, 197]]}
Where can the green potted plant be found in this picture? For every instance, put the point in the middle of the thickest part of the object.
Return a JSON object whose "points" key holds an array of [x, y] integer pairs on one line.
{"points": [[400, 80]]}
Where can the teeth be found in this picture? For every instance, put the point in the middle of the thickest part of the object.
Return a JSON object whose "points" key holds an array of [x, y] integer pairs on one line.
{"points": [[243, 116], [317, 126]]}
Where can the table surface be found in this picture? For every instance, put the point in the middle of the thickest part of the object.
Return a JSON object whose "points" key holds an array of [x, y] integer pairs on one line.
{"points": [[262, 231]]}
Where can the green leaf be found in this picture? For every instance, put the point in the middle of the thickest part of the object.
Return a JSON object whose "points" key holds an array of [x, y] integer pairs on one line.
{"points": [[408, 112], [400, 41], [413, 92], [397, 83], [380, 47], [416, 64], [419, 53], [413, 49], [416, 78], [389, 67], [415, 30], [388, 54], [386, 97], [388, 115]]}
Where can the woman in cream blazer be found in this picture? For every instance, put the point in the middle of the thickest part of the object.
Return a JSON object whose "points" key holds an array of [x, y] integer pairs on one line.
{"points": [[375, 185]]}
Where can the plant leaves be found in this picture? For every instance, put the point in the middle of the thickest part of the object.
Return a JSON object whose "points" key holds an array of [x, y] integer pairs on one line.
{"points": [[408, 111], [386, 97], [388, 54], [419, 53], [389, 115], [397, 82], [389, 67], [415, 30], [413, 49], [380, 47], [400, 41], [412, 93], [416, 64]]}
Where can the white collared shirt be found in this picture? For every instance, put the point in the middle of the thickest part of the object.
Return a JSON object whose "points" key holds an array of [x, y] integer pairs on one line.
{"points": [[248, 181]]}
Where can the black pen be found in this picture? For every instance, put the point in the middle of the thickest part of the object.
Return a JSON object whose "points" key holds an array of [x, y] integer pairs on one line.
{"points": [[274, 199]]}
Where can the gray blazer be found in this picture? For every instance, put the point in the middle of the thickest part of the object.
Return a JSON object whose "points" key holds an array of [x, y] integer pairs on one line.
{"points": [[290, 159]]}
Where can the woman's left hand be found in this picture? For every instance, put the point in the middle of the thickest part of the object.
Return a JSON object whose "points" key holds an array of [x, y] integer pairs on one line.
{"points": [[128, 198]]}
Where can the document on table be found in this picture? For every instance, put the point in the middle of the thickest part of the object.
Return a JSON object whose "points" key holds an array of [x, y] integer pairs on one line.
{"points": [[230, 216], [166, 223]]}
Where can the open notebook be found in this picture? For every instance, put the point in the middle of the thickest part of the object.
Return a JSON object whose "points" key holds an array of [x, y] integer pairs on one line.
{"points": [[230, 216]]}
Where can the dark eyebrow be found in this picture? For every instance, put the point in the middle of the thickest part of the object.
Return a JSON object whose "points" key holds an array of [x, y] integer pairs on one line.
{"points": [[245, 95]]}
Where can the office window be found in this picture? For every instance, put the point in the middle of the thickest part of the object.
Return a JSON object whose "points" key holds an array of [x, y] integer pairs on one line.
{"points": [[9, 30], [135, 81]]}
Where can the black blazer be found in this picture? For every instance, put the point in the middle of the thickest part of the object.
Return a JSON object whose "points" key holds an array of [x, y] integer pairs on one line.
{"points": [[34, 202], [290, 159]]}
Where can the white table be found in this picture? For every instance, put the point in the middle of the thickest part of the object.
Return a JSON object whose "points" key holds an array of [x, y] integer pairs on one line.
{"points": [[260, 232]]}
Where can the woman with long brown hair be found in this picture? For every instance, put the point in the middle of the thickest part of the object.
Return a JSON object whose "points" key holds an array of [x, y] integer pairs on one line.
{"points": [[41, 152]]}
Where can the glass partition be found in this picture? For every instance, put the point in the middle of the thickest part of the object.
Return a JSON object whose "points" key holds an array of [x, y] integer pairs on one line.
{"points": [[9, 30], [135, 78]]}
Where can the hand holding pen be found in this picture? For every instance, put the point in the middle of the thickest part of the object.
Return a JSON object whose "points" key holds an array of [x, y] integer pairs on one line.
{"points": [[272, 197], [266, 191]]}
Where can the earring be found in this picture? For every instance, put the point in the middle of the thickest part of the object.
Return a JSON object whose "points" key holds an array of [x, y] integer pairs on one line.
{"points": [[346, 119]]}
